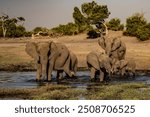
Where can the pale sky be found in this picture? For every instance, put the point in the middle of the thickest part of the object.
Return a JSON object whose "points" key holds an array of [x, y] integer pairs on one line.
{"points": [[50, 13]]}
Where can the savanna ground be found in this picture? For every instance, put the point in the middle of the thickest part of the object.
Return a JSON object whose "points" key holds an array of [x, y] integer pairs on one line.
{"points": [[14, 58]]}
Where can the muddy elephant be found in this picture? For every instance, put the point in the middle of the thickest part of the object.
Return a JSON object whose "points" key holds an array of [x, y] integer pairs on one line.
{"points": [[99, 62], [49, 56], [113, 46], [125, 68]]}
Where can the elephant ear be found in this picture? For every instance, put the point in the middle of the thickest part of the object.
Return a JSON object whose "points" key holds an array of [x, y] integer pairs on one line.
{"points": [[53, 49], [123, 64], [31, 49], [53, 46], [115, 44]]}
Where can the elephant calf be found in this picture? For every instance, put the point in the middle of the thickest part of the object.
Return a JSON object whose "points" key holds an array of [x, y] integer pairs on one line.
{"points": [[99, 62], [124, 67]]}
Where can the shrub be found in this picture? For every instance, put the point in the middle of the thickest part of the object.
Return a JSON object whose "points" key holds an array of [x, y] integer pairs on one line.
{"points": [[133, 23], [143, 32], [68, 29], [28, 34], [93, 34], [15, 31], [115, 24]]}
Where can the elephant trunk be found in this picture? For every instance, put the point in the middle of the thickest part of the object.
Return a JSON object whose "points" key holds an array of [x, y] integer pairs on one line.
{"points": [[44, 69]]}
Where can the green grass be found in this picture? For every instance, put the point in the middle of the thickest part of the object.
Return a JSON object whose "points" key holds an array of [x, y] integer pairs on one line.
{"points": [[126, 91]]}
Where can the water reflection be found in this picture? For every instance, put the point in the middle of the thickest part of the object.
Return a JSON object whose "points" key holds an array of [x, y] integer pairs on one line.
{"points": [[27, 80]]}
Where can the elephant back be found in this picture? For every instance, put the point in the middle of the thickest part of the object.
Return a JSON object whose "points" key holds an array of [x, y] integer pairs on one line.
{"points": [[92, 60], [63, 57]]}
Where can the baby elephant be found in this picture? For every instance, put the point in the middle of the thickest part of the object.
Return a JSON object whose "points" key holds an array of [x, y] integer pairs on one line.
{"points": [[99, 62], [124, 67]]}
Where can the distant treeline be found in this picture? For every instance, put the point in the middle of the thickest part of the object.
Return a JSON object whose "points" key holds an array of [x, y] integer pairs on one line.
{"points": [[90, 14]]}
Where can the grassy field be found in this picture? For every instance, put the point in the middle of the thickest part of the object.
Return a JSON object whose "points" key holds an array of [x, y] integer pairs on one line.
{"points": [[13, 56], [127, 91]]}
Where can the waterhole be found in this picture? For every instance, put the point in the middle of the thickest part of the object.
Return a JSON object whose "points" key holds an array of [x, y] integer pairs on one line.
{"points": [[27, 80]]}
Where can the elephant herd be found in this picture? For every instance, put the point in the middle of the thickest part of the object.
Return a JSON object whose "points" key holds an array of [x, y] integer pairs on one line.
{"points": [[51, 56]]}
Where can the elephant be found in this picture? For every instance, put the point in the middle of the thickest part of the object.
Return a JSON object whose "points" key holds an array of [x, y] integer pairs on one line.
{"points": [[73, 66], [124, 67], [74, 62], [113, 46], [99, 62], [49, 56]]}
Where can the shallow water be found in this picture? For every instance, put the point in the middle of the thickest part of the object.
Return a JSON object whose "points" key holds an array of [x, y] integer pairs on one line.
{"points": [[27, 80]]}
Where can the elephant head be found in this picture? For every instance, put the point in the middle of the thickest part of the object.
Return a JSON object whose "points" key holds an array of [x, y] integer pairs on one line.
{"points": [[120, 67], [41, 51], [105, 63]]}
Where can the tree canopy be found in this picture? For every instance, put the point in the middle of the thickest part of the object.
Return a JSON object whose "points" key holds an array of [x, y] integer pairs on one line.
{"points": [[9, 26]]}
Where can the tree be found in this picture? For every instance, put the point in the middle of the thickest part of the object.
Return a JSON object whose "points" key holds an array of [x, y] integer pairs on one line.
{"points": [[95, 12], [37, 30], [79, 20], [90, 13], [115, 24], [68, 29], [9, 24], [133, 23], [143, 32], [21, 19]]}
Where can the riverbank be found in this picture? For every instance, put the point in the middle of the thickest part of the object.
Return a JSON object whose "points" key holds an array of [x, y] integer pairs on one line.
{"points": [[14, 58], [126, 91]]}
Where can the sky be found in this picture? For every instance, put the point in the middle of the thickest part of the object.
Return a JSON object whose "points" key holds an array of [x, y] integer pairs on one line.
{"points": [[51, 13]]}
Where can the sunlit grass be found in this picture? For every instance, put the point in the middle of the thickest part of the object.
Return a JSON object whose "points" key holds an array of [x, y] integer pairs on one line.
{"points": [[132, 91]]}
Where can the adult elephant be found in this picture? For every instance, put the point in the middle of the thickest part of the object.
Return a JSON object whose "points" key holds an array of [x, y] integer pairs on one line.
{"points": [[100, 62], [49, 56], [113, 46]]}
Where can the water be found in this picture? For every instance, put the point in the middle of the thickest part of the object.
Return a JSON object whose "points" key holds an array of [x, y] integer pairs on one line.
{"points": [[27, 80]]}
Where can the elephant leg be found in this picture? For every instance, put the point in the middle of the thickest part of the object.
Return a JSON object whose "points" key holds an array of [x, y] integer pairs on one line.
{"points": [[67, 68], [101, 76], [59, 75], [50, 69], [92, 73], [39, 72]]}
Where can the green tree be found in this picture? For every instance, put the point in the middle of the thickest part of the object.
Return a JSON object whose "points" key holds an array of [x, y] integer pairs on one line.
{"points": [[133, 23], [68, 29], [9, 25], [43, 30], [16, 31], [143, 32], [90, 13], [80, 20], [115, 24], [95, 12]]}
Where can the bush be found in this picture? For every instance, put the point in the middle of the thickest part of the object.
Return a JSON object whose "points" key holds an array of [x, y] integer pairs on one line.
{"points": [[133, 23], [93, 34], [41, 30], [15, 31], [28, 34], [143, 33], [68, 29], [115, 25]]}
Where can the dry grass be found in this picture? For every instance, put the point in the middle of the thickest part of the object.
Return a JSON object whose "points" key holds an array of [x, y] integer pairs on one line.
{"points": [[13, 51]]}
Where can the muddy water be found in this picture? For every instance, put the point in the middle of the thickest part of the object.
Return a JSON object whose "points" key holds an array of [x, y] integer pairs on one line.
{"points": [[27, 80]]}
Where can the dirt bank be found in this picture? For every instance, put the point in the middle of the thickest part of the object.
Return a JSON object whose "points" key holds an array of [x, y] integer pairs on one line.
{"points": [[14, 58]]}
